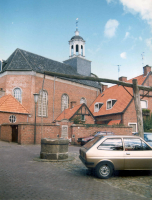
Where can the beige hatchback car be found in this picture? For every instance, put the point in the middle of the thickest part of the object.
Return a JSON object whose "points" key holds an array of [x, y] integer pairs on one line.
{"points": [[108, 153]]}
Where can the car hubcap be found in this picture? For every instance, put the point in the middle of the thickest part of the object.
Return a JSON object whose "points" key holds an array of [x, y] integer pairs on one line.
{"points": [[104, 170]]}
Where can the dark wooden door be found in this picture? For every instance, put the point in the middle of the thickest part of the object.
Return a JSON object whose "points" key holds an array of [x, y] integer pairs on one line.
{"points": [[15, 133]]}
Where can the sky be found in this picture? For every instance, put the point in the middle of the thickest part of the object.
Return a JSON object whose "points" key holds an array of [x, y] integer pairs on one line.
{"points": [[117, 32]]}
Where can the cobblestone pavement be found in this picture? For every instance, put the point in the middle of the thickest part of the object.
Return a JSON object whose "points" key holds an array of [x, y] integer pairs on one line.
{"points": [[23, 178]]}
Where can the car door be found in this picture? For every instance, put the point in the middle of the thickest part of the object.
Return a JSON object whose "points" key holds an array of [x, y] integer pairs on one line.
{"points": [[111, 150], [137, 154]]}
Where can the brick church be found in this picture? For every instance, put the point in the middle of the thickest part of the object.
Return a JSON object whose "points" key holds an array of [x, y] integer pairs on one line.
{"points": [[22, 75]]}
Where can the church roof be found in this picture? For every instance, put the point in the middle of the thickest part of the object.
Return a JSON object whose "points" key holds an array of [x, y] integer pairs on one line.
{"points": [[76, 37], [21, 60]]}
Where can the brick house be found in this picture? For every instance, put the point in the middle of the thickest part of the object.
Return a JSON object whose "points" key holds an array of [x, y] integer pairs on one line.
{"points": [[115, 105]]}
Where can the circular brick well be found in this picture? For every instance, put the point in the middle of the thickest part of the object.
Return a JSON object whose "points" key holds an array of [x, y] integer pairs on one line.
{"points": [[54, 149]]}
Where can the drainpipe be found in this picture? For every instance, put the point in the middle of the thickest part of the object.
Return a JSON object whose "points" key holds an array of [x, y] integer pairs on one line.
{"points": [[53, 96]]}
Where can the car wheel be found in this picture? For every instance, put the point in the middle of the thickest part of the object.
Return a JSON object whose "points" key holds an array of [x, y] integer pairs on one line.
{"points": [[104, 170]]}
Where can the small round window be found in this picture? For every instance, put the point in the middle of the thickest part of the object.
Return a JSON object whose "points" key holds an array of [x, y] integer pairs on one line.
{"points": [[12, 118]]}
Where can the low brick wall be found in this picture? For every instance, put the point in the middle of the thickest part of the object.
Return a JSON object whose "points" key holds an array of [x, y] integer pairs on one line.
{"points": [[46, 131], [6, 133], [26, 132], [84, 131]]}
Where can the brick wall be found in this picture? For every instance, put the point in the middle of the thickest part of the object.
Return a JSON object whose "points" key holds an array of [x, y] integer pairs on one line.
{"points": [[6, 133], [26, 131], [30, 84], [82, 131]]}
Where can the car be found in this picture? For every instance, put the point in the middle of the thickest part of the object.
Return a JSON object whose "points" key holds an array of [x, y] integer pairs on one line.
{"points": [[147, 137], [82, 141], [104, 154]]}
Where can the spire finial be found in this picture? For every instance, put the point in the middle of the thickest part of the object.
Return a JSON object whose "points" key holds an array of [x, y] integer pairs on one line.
{"points": [[76, 24]]}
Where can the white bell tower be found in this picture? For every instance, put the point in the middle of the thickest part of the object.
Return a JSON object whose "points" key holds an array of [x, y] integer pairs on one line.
{"points": [[77, 44]]}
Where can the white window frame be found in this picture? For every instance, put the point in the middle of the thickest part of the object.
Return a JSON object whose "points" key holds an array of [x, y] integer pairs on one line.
{"points": [[134, 123], [12, 118], [81, 117], [43, 109], [146, 104], [96, 109], [16, 95], [110, 100], [66, 104]]}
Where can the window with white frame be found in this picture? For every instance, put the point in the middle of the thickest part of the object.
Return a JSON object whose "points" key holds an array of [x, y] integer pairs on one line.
{"points": [[82, 117], [64, 102], [110, 103], [17, 93], [97, 106], [144, 104], [134, 127], [82, 100], [42, 104], [12, 118]]}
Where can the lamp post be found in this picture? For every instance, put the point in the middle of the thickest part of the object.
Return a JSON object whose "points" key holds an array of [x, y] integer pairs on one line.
{"points": [[36, 96]]}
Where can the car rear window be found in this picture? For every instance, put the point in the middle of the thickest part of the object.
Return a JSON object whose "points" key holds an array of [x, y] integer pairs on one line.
{"points": [[89, 144]]}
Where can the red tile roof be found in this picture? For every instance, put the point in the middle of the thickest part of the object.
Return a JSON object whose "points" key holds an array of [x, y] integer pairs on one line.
{"points": [[114, 122], [9, 104], [68, 113], [117, 93]]}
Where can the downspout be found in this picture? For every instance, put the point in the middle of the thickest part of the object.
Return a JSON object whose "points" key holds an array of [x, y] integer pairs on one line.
{"points": [[53, 96], [42, 108]]}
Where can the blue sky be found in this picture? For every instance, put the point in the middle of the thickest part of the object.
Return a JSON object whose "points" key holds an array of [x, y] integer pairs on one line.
{"points": [[116, 32]]}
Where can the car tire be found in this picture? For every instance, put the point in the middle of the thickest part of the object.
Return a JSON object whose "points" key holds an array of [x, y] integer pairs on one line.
{"points": [[104, 170]]}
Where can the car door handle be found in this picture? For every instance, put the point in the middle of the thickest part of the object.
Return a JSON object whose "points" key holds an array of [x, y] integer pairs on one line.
{"points": [[127, 153]]}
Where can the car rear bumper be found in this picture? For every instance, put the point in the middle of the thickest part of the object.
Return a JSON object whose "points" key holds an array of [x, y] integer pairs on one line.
{"points": [[85, 162]]}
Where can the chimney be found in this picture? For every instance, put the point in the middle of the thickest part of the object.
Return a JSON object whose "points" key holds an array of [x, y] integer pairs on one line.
{"points": [[72, 104], [123, 78], [146, 70], [104, 87]]}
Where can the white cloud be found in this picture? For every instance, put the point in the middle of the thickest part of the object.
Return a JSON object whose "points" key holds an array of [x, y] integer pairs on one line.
{"points": [[149, 43], [109, 1], [123, 55], [126, 35], [140, 38], [110, 28], [143, 7]]}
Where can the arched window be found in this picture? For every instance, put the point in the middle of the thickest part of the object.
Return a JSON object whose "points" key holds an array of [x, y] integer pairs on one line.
{"points": [[64, 102], [72, 50], [17, 93], [83, 100], [77, 49], [43, 104], [81, 50]]}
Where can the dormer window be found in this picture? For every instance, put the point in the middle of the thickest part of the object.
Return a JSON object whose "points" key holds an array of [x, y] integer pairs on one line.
{"points": [[97, 106], [110, 103]]}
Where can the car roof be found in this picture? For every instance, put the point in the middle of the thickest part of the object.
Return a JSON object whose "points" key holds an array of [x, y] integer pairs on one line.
{"points": [[118, 136]]}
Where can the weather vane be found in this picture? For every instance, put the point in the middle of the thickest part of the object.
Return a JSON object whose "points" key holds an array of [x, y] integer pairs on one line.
{"points": [[76, 23]]}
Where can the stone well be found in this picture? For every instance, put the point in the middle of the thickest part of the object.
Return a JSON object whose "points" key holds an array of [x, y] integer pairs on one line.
{"points": [[54, 149]]}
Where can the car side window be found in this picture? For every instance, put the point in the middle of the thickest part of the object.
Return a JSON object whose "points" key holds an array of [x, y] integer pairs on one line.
{"points": [[114, 144], [145, 146], [135, 145]]}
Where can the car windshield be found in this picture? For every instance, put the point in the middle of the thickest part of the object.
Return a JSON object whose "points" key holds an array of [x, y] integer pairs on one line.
{"points": [[148, 137], [89, 144]]}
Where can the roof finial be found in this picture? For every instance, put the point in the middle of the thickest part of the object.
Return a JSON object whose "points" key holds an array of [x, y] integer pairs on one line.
{"points": [[76, 24]]}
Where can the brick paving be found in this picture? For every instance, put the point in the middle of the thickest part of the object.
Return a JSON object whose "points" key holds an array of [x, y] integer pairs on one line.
{"points": [[23, 178]]}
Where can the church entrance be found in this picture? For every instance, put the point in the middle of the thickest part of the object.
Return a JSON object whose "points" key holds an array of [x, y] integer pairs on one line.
{"points": [[15, 133]]}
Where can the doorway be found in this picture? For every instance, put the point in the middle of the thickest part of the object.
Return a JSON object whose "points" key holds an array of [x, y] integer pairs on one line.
{"points": [[15, 133]]}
